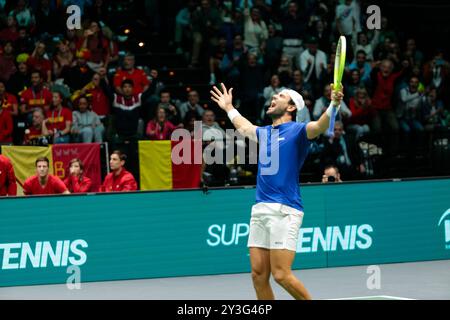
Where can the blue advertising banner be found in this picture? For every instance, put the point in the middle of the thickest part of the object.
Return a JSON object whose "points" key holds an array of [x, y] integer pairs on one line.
{"points": [[46, 240]]}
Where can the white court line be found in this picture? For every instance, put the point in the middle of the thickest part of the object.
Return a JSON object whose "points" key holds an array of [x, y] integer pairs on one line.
{"points": [[371, 297]]}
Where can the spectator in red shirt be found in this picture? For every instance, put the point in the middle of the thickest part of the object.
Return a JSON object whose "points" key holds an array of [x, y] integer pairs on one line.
{"points": [[59, 120], [39, 61], [8, 185], [160, 128], [7, 62], [119, 179], [10, 33], [8, 101], [383, 81], [76, 182], [97, 44], [37, 96], [6, 126], [99, 91], [362, 113], [129, 72], [37, 129], [43, 182]]}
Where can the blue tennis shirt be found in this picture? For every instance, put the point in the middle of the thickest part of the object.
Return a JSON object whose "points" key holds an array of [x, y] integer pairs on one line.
{"points": [[282, 152]]}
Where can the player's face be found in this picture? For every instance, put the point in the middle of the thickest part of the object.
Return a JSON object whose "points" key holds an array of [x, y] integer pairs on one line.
{"points": [[42, 169], [279, 105], [115, 163]]}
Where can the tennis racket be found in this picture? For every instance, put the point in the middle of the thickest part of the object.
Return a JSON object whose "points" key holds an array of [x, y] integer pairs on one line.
{"points": [[339, 65]]}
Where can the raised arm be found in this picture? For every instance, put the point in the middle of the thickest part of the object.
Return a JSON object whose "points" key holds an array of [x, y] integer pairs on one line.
{"points": [[316, 128], [224, 100]]}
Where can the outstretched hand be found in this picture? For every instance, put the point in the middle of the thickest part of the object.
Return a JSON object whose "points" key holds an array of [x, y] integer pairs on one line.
{"points": [[223, 99]]}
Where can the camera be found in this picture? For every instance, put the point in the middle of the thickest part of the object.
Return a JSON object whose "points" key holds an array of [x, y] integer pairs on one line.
{"points": [[331, 179]]}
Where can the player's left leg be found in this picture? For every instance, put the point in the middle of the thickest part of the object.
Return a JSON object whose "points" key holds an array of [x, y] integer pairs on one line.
{"points": [[281, 262]]}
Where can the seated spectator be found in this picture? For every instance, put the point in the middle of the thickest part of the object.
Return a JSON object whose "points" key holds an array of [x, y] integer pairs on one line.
{"points": [[251, 88], [76, 181], [229, 66], [25, 42], [269, 91], [160, 128], [37, 129], [331, 174], [98, 46], [273, 49], [299, 85], [191, 105], [87, 127], [436, 72], [210, 128], [7, 62], [352, 84], [293, 28], [37, 96], [59, 120], [409, 110], [48, 19], [127, 112], [20, 80], [323, 102], [339, 152], [23, 14], [215, 60], [8, 101], [119, 179], [81, 74], [165, 102], [39, 61], [362, 66], [8, 185], [63, 60], [362, 113], [11, 31], [128, 71], [285, 71], [183, 25], [6, 126], [43, 182], [313, 64], [416, 56], [434, 114]]}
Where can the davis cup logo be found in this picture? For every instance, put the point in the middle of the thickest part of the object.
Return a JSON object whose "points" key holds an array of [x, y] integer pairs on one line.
{"points": [[446, 219]]}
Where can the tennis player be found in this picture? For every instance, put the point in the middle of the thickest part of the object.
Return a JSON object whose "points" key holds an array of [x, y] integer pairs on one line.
{"points": [[278, 213]]}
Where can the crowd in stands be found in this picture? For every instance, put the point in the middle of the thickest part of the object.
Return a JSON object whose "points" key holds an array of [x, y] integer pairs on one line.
{"points": [[64, 86]]}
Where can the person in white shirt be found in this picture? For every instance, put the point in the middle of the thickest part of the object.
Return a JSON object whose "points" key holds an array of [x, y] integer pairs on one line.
{"points": [[313, 64], [347, 18], [323, 102]]}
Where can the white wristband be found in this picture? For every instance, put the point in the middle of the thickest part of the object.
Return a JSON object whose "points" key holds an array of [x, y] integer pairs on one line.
{"points": [[330, 109], [233, 114]]}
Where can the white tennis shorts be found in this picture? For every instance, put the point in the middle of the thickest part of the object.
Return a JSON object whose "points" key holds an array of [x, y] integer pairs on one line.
{"points": [[274, 226]]}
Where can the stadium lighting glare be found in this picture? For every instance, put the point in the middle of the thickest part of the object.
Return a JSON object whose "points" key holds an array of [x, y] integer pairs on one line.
{"points": [[127, 31], [141, 44]]}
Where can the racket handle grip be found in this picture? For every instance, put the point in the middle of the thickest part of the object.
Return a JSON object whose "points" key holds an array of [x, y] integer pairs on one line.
{"points": [[330, 130]]}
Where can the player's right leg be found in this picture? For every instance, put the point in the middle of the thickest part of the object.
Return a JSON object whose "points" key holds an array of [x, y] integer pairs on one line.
{"points": [[260, 263]]}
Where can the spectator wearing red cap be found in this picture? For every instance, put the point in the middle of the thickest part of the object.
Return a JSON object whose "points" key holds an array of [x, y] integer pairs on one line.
{"points": [[119, 179], [8, 185], [129, 72], [76, 181], [43, 182]]}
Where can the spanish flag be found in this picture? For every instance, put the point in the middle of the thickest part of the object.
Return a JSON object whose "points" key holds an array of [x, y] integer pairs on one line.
{"points": [[167, 165]]}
